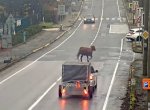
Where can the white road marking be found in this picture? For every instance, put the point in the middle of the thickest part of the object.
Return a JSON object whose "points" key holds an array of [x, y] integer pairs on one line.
{"points": [[41, 97], [107, 18], [115, 71], [44, 94], [124, 19], [119, 11], [80, 19], [118, 28], [113, 19], [99, 24], [118, 19], [113, 78], [59, 79], [96, 18], [40, 56]]}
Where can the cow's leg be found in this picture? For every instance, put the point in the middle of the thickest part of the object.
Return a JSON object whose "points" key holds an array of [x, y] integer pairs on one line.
{"points": [[81, 58], [87, 58]]}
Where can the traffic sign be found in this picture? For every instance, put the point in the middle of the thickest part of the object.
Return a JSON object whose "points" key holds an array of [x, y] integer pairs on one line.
{"points": [[145, 35], [61, 10], [130, 5], [146, 83]]}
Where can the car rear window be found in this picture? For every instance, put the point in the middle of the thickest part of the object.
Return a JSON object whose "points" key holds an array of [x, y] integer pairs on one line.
{"points": [[131, 31]]}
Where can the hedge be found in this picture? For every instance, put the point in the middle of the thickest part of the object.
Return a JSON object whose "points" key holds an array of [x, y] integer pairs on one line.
{"points": [[30, 32]]}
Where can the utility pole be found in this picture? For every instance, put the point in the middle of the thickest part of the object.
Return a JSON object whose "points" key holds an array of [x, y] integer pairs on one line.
{"points": [[148, 54], [145, 42]]}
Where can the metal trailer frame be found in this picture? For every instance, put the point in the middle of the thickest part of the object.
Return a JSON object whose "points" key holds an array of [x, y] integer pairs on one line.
{"points": [[78, 87]]}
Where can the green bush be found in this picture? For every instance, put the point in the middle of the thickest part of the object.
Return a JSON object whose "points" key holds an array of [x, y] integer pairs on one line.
{"points": [[16, 39], [45, 25], [30, 32]]}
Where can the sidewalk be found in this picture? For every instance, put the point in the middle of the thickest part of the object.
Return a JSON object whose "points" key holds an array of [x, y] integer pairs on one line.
{"points": [[136, 97], [40, 41]]}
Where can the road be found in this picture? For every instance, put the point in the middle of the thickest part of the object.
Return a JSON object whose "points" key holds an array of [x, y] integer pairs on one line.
{"points": [[33, 83]]}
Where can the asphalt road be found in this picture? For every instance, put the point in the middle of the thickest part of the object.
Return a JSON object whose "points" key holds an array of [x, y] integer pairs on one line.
{"points": [[33, 83]]}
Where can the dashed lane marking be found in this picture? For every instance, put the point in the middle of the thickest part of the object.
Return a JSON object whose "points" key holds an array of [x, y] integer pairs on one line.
{"points": [[113, 19], [108, 19]]}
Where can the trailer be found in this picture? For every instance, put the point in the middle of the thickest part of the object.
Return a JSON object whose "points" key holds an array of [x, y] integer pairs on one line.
{"points": [[78, 78]]}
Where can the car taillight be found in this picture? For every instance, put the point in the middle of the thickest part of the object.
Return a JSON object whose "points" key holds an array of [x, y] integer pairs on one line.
{"points": [[78, 84], [63, 91], [85, 92], [91, 77]]}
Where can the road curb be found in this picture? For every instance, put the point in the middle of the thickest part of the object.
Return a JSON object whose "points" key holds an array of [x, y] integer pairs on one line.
{"points": [[44, 45]]}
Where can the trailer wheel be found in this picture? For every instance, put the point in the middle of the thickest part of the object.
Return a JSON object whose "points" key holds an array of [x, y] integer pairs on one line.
{"points": [[59, 92], [90, 91], [93, 88], [95, 85]]}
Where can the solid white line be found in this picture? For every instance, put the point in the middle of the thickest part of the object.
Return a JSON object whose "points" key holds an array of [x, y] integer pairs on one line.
{"points": [[119, 11], [110, 29], [113, 78], [121, 46], [99, 24], [111, 84], [41, 97], [59, 79], [40, 56]]}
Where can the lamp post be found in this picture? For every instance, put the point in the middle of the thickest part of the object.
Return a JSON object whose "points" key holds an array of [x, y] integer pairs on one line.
{"points": [[145, 42]]}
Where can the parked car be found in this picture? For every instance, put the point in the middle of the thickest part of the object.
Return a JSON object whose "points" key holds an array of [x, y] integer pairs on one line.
{"points": [[89, 19], [135, 34]]}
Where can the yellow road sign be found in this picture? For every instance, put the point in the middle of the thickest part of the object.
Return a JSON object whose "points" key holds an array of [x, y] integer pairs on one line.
{"points": [[130, 5], [145, 35]]}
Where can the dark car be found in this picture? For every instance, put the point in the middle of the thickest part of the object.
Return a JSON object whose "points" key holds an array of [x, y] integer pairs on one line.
{"points": [[89, 19]]}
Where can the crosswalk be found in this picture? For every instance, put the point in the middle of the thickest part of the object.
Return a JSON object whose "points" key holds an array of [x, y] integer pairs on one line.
{"points": [[122, 19], [113, 19]]}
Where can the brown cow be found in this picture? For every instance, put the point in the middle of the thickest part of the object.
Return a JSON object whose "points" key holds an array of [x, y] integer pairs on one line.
{"points": [[86, 51]]}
